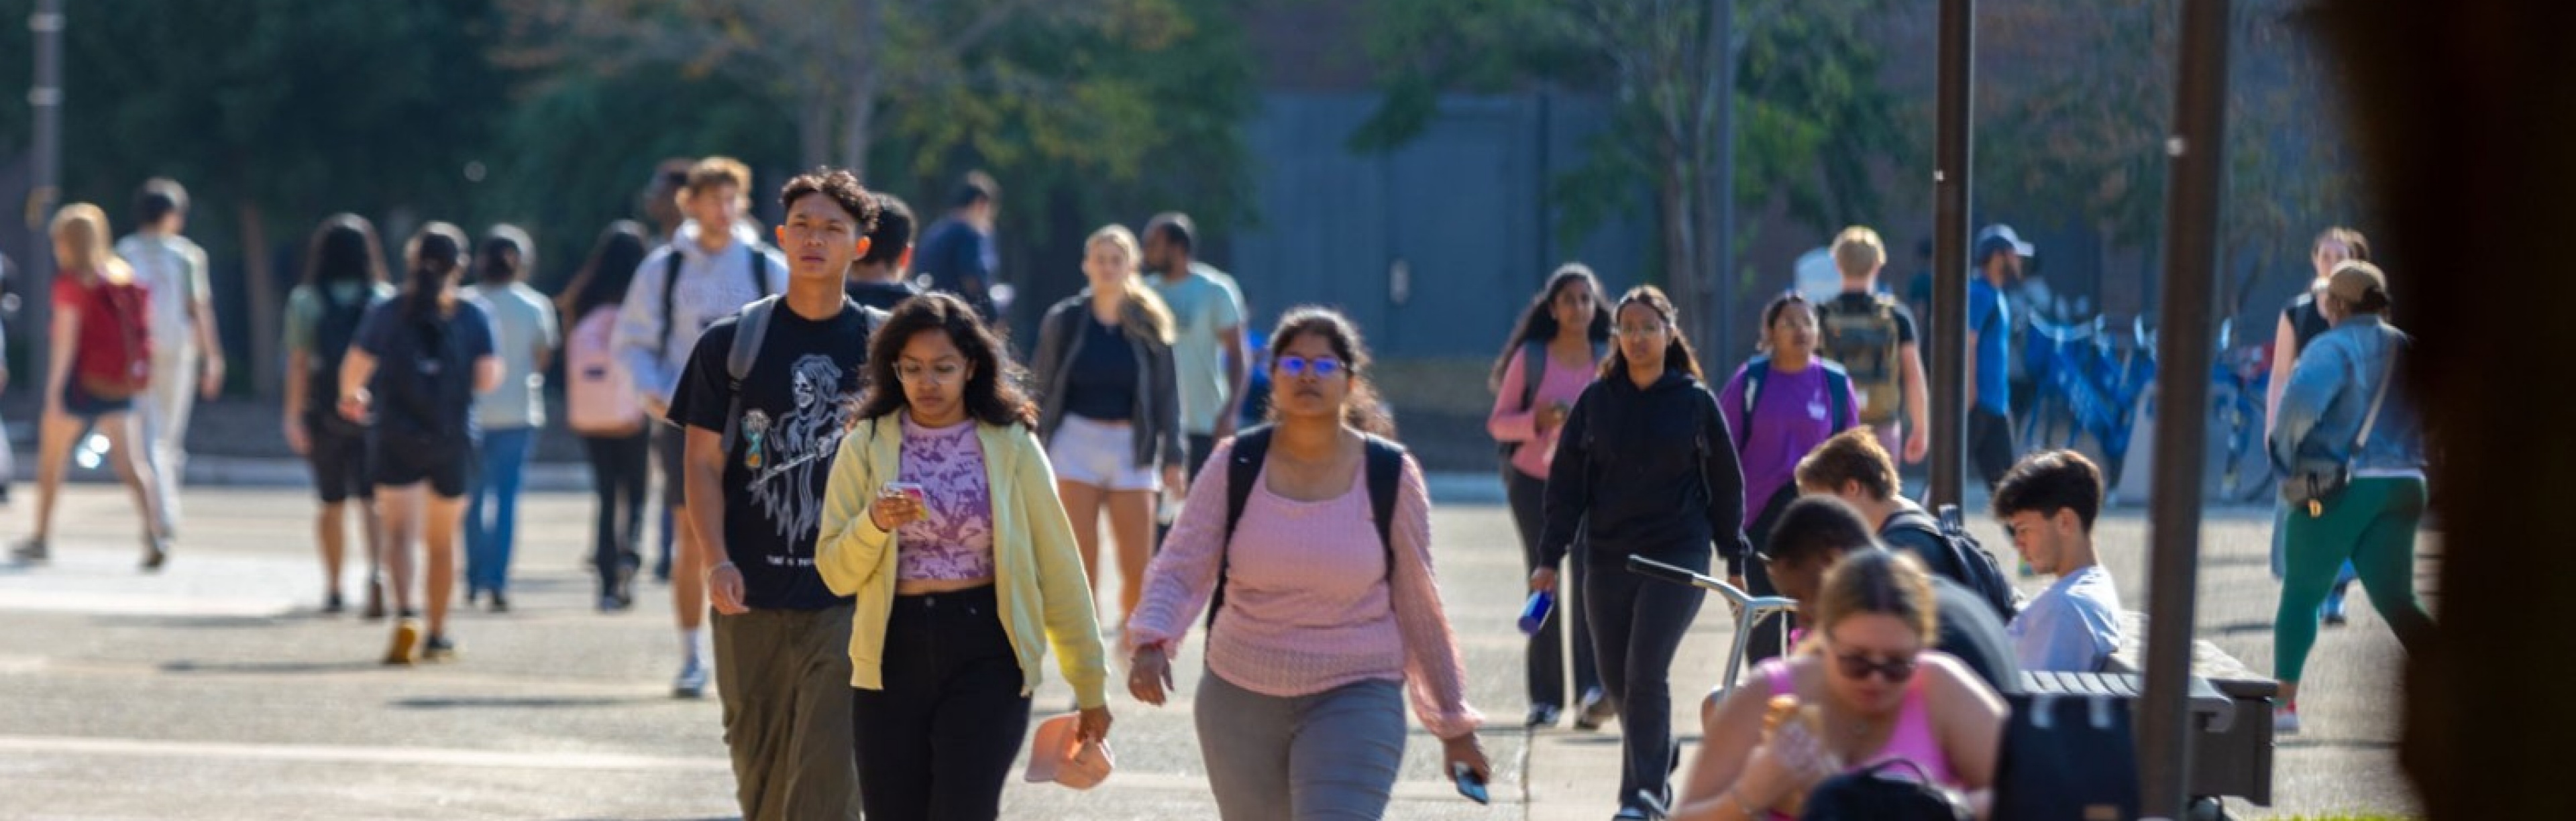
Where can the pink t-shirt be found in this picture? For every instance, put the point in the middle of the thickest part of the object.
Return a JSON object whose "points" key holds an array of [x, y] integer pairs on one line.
{"points": [[956, 542], [1563, 383], [1309, 605]]}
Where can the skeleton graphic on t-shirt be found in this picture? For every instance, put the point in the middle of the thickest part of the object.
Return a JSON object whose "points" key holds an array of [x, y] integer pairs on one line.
{"points": [[784, 454]]}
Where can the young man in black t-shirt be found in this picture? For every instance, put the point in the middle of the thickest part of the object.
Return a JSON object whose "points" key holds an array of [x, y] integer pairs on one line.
{"points": [[781, 638]]}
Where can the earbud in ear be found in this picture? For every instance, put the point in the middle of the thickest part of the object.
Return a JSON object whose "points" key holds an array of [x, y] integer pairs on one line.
{"points": [[864, 243]]}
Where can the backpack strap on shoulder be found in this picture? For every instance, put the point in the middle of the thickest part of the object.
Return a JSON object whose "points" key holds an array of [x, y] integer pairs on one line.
{"points": [[1385, 471], [749, 331], [1838, 393], [1242, 471], [670, 288], [759, 268], [1757, 371]]}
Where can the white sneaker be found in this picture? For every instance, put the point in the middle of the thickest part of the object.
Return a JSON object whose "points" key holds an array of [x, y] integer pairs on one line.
{"points": [[2285, 719], [692, 682]]}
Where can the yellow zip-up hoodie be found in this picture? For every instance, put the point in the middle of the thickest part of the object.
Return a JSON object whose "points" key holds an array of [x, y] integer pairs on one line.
{"points": [[1037, 567]]}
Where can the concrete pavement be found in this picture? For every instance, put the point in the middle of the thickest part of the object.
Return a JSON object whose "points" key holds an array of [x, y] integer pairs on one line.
{"points": [[214, 690]]}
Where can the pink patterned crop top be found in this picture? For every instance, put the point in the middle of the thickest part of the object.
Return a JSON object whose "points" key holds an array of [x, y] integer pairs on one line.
{"points": [[956, 541]]}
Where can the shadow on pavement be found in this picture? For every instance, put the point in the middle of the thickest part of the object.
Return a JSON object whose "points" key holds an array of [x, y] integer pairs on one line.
{"points": [[191, 622], [523, 702], [266, 668]]}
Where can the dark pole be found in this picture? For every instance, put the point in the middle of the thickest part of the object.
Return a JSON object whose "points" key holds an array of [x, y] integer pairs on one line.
{"points": [[46, 101], [2198, 150], [1949, 320], [1718, 195]]}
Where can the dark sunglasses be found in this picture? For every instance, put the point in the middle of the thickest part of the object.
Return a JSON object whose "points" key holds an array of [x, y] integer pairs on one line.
{"points": [[1855, 665], [1300, 366]]}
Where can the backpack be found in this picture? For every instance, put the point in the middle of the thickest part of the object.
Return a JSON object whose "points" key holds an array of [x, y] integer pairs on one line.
{"points": [[750, 330], [115, 363], [333, 331], [1891, 790], [759, 269], [1868, 344], [1533, 370], [424, 380], [1385, 471], [1838, 395], [1969, 563], [602, 397]]}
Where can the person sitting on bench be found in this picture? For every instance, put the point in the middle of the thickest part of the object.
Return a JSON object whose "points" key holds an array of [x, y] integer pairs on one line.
{"points": [[2048, 502]]}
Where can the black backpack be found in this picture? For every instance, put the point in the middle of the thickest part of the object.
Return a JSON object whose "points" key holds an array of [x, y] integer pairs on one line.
{"points": [[1891, 790], [424, 381], [1968, 562], [1385, 471]]}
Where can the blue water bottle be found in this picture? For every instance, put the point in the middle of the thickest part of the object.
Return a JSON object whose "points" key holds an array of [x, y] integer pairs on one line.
{"points": [[1534, 613]]}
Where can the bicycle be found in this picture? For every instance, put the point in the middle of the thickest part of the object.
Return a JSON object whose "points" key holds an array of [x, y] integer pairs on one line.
{"points": [[2240, 380], [2089, 383]]}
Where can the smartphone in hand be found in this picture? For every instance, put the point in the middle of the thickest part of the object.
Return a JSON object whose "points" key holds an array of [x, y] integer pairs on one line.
{"points": [[1468, 784]]}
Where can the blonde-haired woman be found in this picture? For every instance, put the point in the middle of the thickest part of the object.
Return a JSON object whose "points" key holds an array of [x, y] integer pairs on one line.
{"points": [[1109, 406], [99, 360]]}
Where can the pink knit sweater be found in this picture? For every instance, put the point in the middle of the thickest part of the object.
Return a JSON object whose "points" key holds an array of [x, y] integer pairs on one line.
{"points": [[1308, 606]]}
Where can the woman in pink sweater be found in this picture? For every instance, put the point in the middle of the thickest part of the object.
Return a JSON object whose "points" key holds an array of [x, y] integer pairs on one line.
{"points": [[1319, 624]]}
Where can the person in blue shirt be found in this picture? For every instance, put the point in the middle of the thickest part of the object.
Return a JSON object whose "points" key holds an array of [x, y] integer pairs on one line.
{"points": [[1998, 253], [2048, 503]]}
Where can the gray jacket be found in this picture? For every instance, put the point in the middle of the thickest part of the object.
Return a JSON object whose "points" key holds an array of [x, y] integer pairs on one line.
{"points": [[1157, 421], [2330, 392]]}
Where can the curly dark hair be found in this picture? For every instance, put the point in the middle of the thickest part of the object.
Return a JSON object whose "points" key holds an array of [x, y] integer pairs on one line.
{"points": [[1361, 408], [840, 185], [992, 395]]}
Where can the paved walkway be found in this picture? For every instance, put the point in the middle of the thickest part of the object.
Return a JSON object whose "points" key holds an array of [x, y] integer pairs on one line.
{"points": [[215, 691]]}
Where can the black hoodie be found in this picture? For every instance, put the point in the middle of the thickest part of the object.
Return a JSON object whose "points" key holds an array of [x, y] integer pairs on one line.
{"points": [[1646, 472]]}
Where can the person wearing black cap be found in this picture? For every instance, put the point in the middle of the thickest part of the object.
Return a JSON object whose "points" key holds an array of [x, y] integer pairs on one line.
{"points": [[1998, 253]]}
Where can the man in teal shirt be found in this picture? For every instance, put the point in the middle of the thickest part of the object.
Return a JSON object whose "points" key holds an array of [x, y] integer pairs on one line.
{"points": [[1208, 351]]}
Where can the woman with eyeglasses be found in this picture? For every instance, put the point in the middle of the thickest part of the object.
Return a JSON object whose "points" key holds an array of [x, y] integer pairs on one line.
{"points": [[1110, 406], [1863, 690], [1326, 607], [1645, 468], [1783, 403], [1551, 357]]}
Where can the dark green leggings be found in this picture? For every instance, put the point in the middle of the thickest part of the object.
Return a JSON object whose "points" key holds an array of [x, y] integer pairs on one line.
{"points": [[2371, 524]]}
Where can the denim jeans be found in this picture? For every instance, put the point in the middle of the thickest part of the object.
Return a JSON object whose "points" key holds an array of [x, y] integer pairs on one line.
{"points": [[492, 520]]}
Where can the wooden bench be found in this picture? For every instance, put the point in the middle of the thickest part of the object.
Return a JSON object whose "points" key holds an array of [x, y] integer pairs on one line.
{"points": [[2231, 757]]}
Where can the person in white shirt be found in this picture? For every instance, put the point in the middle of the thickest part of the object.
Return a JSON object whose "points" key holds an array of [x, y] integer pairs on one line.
{"points": [[712, 267], [187, 353], [2048, 502]]}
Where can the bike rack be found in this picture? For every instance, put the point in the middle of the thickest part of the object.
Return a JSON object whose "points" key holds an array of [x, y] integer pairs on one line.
{"points": [[1752, 609]]}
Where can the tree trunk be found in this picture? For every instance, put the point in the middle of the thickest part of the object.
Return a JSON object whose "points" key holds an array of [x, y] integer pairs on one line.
{"points": [[821, 108], [858, 130], [258, 274], [1681, 258]]}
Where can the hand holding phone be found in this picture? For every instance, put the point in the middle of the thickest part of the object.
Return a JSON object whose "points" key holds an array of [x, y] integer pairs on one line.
{"points": [[1469, 784]]}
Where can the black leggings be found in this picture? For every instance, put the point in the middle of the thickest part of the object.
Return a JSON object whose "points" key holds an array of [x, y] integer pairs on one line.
{"points": [[1547, 649], [1637, 626], [937, 743], [618, 473]]}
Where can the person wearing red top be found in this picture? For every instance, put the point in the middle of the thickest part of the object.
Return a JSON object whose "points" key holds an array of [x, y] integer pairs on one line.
{"points": [[97, 306]]}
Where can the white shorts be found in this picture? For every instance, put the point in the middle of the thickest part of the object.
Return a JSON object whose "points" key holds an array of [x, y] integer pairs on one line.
{"points": [[1099, 454]]}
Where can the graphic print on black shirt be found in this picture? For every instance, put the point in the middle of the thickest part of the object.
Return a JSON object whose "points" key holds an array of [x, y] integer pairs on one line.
{"points": [[796, 404]]}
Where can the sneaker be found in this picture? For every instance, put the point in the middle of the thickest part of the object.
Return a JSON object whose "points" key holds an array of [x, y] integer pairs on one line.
{"points": [[1630, 814], [2285, 719], [156, 552], [406, 644], [1543, 716], [31, 551], [332, 605], [500, 603], [2331, 613], [612, 603], [1597, 710], [438, 648], [692, 682]]}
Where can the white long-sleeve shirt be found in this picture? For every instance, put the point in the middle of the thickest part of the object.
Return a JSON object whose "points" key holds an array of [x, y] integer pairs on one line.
{"points": [[712, 286]]}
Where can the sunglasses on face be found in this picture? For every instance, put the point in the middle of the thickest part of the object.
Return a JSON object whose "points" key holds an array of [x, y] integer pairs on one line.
{"points": [[1857, 666], [1301, 366]]}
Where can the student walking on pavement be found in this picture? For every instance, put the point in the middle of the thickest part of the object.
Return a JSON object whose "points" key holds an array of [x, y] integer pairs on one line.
{"points": [[2352, 447], [101, 364], [765, 400], [880, 279], [712, 267], [1780, 405], [1625, 483], [1109, 409], [1315, 545], [605, 412], [942, 518], [187, 351], [1550, 357], [1874, 338], [2301, 323], [344, 276], [413, 372], [523, 325], [1998, 253], [958, 254], [1210, 361]]}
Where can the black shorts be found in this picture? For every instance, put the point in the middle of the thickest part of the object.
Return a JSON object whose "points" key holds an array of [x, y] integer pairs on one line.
{"points": [[399, 461], [339, 462]]}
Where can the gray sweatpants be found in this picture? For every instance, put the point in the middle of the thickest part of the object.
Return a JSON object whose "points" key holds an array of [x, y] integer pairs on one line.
{"points": [[1331, 755], [784, 678]]}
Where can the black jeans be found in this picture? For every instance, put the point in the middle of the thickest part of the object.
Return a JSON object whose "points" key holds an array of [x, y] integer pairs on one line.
{"points": [[1767, 643], [1202, 445], [671, 451], [1547, 649], [618, 473], [938, 742], [1637, 626], [1990, 444]]}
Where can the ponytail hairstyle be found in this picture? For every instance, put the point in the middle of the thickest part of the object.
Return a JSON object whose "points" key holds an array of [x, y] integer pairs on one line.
{"points": [[433, 258], [1157, 316], [1361, 407], [82, 229], [506, 256], [1538, 321], [1677, 353]]}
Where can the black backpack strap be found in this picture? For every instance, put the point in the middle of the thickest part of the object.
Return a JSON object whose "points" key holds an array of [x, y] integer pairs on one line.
{"points": [[750, 329], [1756, 372], [670, 286], [1242, 471], [1385, 470], [759, 268]]}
